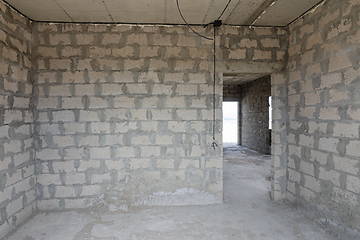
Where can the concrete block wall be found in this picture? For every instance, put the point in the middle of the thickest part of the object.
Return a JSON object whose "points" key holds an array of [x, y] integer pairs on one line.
{"points": [[324, 121], [232, 93], [279, 144], [255, 132], [17, 166], [252, 49], [125, 111], [241, 48]]}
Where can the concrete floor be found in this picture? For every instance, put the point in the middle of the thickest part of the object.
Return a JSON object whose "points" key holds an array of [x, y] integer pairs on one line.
{"points": [[247, 214]]}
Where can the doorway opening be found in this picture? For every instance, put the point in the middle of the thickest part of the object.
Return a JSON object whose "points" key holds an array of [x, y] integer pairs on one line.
{"points": [[230, 122]]}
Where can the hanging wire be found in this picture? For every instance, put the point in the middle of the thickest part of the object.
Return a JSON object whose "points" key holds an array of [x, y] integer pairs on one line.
{"points": [[214, 144], [177, 3], [214, 86], [216, 23], [224, 10]]}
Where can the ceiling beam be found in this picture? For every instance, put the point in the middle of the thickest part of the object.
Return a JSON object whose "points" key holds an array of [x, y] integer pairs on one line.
{"points": [[259, 11]]}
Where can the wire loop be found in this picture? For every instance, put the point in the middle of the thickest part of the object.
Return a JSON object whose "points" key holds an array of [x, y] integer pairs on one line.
{"points": [[177, 3]]}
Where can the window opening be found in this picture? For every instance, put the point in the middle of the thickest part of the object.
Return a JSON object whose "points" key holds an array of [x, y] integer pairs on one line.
{"points": [[230, 122]]}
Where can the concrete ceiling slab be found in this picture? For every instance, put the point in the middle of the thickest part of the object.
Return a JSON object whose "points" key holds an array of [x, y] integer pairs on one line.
{"points": [[29, 6], [40, 9], [289, 10], [48, 15], [239, 12], [243, 11], [131, 17], [90, 16], [81, 5]]}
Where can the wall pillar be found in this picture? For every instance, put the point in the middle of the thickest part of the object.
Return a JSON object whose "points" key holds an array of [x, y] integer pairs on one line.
{"points": [[279, 137]]}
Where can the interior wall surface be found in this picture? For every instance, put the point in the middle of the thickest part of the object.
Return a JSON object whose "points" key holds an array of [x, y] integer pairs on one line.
{"points": [[279, 144], [17, 166], [324, 116], [255, 132], [232, 93], [125, 112]]}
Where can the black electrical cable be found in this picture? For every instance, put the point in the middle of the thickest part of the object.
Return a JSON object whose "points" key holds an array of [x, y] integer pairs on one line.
{"points": [[214, 145], [224, 9], [214, 91], [217, 23], [177, 3]]}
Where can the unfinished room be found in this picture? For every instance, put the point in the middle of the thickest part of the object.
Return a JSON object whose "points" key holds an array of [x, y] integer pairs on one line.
{"points": [[179, 119]]}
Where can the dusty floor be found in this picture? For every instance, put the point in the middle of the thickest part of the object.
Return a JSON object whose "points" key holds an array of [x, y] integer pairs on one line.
{"points": [[247, 213]]}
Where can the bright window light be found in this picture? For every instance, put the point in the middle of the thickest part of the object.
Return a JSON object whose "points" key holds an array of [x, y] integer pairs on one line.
{"points": [[230, 122]]}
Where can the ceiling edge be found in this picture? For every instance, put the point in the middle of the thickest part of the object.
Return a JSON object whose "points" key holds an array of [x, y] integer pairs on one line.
{"points": [[153, 24], [15, 10], [313, 8]]}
